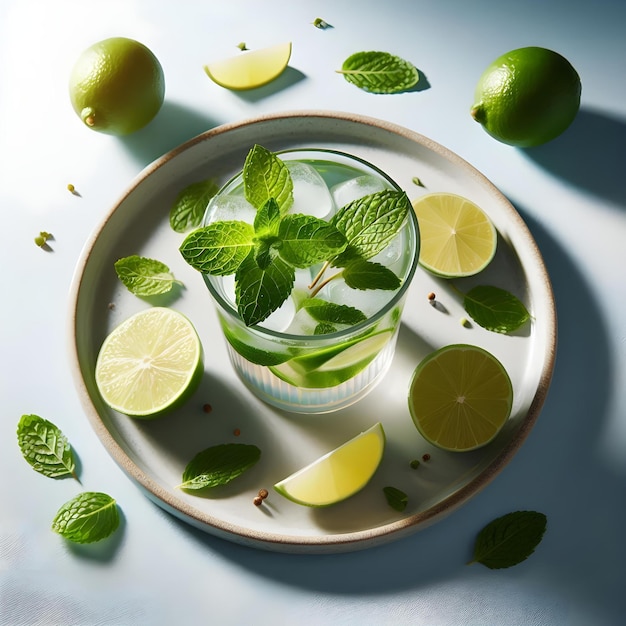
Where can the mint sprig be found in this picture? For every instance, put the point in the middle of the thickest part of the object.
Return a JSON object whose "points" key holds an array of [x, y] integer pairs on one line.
{"points": [[143, 276], [379, 72], [509, 540], [45, 447], [218, 465], [90, 516], [188, 209], [264, 255]]}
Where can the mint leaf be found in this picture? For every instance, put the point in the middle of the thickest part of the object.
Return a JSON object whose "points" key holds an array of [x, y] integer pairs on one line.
{"points": [[332, 313], [143, 276], [219, 465], [324, 328], [379, 72], [265, 176], [362, 274], [219, 248], [89, 517], [260, 291], [306, 240], [396, 498], [45, 447], [190, 204], [495, 309], [267, 219], [510, 539], [370, 223]]}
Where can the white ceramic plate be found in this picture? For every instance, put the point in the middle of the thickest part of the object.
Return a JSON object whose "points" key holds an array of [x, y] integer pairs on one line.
{"points": [[155, 453]]}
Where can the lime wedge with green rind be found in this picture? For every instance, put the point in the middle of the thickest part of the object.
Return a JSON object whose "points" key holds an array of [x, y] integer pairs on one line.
{"points": [[252, 353], [339, 474]]}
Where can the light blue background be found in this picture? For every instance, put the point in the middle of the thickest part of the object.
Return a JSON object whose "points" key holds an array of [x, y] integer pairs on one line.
{"points": [[570, 191]]}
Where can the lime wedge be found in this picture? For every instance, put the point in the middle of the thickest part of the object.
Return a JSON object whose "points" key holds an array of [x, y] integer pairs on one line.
{"points": [[338, 474], [456, 236], [251, 68], [150, 363], [334, 365], [460, 397]]}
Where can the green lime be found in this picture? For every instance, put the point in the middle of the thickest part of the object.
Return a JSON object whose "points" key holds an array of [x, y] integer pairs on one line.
{"points": [[150, 363], [456, 236], [460, 397], [117, 86], [527, 96], [338, 474]]}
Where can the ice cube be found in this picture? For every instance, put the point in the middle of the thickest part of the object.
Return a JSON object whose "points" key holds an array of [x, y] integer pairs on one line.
{"points": [[392, 253], [368, 301], [231, 207], [355, 188], [281, 318], [310, 193], [302, 324]]}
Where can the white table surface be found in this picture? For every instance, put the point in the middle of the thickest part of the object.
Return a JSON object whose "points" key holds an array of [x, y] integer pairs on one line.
{"points": [[571, 192]]}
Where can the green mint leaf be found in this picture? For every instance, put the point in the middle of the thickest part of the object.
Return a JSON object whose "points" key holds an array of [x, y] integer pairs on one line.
{"points": [[332, 313], [260, 291], [306, 240], [265, 176], [362, 274], [251, 353], [396, 498], [324, 328], [495, 309], [510, 539], [143, 276], [45, 447], [219, 465], [265, 251], [89, 517], [379, 72], [267, 219], [219, 248], [370, 223], [190, 204]]}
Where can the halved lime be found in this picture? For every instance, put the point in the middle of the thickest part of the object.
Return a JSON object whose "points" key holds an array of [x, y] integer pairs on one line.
{"points": [[150, 363], [333, 365], [460, 397], [251, 68], [338, 474], [456, 236]]}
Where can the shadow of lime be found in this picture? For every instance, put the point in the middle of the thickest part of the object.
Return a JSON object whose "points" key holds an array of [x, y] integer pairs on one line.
{"points": [[173, 125], [590, 155], [290, 77]]}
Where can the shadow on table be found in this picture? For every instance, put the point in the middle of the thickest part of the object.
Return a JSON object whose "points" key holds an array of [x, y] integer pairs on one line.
{"points": [[590, 155], [173, 125], [560, 471]]}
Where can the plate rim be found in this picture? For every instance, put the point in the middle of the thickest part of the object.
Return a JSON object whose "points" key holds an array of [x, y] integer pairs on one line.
{"points": [[317, 543]]}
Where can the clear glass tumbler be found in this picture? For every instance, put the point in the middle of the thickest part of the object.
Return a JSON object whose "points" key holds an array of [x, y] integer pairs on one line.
{"points": [[289, 360]]}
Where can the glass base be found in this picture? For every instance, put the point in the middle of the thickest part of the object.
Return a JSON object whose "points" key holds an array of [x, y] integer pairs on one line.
{"points": [[272, 390]]}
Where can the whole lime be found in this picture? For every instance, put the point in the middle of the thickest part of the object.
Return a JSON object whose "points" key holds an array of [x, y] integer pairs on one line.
{"points": [[117, 86], [527, 96]]}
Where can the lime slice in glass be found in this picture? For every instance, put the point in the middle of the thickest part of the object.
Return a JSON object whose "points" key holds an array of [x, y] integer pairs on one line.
{"points": [[338, 474], [460, 397], [150, 363], [251, 68], [334, 365], [456, 236]]}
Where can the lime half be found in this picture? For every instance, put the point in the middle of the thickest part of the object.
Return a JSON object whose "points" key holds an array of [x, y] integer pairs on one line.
{"points": [[456, 236], [150, 363], [460, 397], [338, 474], [251, 68]]}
